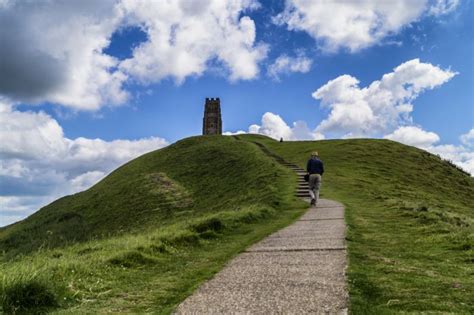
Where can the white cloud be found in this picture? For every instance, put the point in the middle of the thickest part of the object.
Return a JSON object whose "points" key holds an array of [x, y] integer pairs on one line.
{"points": [[468, 138], [53, 51], [382, 106], [86, 180], [414, 136], [185, 36], [285, 65], [39, 164], [356, 24], [230, 133], [16, 208], [441, 7], [460, 155], [274, 126]]}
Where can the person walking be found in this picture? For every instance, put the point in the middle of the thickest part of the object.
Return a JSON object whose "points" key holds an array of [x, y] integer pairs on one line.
{"points": [[315, 169]]}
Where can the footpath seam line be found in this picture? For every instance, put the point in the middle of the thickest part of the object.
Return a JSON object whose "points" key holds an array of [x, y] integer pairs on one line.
{"points": [[295, 250], [323, 219]]}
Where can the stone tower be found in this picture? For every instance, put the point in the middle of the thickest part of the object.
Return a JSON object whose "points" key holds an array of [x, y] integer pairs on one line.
{"points": [[212, 122]]}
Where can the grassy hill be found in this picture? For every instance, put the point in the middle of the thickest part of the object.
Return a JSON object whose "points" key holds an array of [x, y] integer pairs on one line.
{"points": [[410, 219], [147, 235], [190, 178]]}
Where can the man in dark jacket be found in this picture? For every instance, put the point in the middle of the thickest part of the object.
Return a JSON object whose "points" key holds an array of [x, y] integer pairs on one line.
{"points": [[315, 169]]}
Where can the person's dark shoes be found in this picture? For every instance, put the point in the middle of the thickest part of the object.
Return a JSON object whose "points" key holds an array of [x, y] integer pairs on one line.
{"points": [[313, 202]]}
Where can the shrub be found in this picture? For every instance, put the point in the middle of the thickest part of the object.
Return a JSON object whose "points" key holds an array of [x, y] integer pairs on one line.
{"points": [[27, 296]]}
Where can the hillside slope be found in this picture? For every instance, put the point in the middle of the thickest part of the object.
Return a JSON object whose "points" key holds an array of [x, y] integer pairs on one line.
{"points": [[144, 237], [165, 222], [194, 176], [410, 219]]}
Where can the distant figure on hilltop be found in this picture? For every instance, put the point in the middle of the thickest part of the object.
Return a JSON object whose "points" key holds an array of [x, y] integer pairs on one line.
{"points": [[315, 169]]}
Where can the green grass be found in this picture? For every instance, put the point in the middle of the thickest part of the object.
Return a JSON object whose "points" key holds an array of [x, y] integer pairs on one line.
{"points": [[190, 178], [146, 236], [410, 223]]}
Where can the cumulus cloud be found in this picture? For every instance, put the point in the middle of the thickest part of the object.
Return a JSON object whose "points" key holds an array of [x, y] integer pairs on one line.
{"points": [[468, 138], [272, 125], [414, 136], [39, 164], [380, 107], [383, 110], [185, 36], [355, 25], [53, 51], [458, 154], [231, 133], [285, 65]]}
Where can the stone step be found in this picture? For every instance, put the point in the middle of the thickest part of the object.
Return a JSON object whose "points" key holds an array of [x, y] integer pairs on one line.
{"points": [[302, 187]]}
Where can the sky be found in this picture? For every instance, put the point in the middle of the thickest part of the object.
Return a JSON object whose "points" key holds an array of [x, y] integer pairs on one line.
{"points": [[87, 85]]}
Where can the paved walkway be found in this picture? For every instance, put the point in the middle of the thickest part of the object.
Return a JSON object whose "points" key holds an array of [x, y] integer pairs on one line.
{"points": [[297, 270]]}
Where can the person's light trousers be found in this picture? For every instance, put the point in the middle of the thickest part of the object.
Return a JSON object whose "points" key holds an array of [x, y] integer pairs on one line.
{"points": [[314, 186]]}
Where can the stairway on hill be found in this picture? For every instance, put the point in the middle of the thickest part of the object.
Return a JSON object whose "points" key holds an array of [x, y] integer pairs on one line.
{"points": [[302, 189]]}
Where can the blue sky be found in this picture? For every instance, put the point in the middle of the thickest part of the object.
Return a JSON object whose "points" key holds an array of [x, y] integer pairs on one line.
{"points": [[77, 100]]}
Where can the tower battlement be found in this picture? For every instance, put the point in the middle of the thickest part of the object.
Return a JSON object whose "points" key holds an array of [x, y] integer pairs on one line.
{"points": [[212, 121]]}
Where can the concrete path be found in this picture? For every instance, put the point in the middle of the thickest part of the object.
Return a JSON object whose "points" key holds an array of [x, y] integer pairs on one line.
{"points": [[297, 270]]}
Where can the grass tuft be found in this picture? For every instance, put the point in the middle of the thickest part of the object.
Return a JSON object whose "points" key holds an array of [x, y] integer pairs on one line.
{"points": [[30, 296], [132, 259], [212, 224]]}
